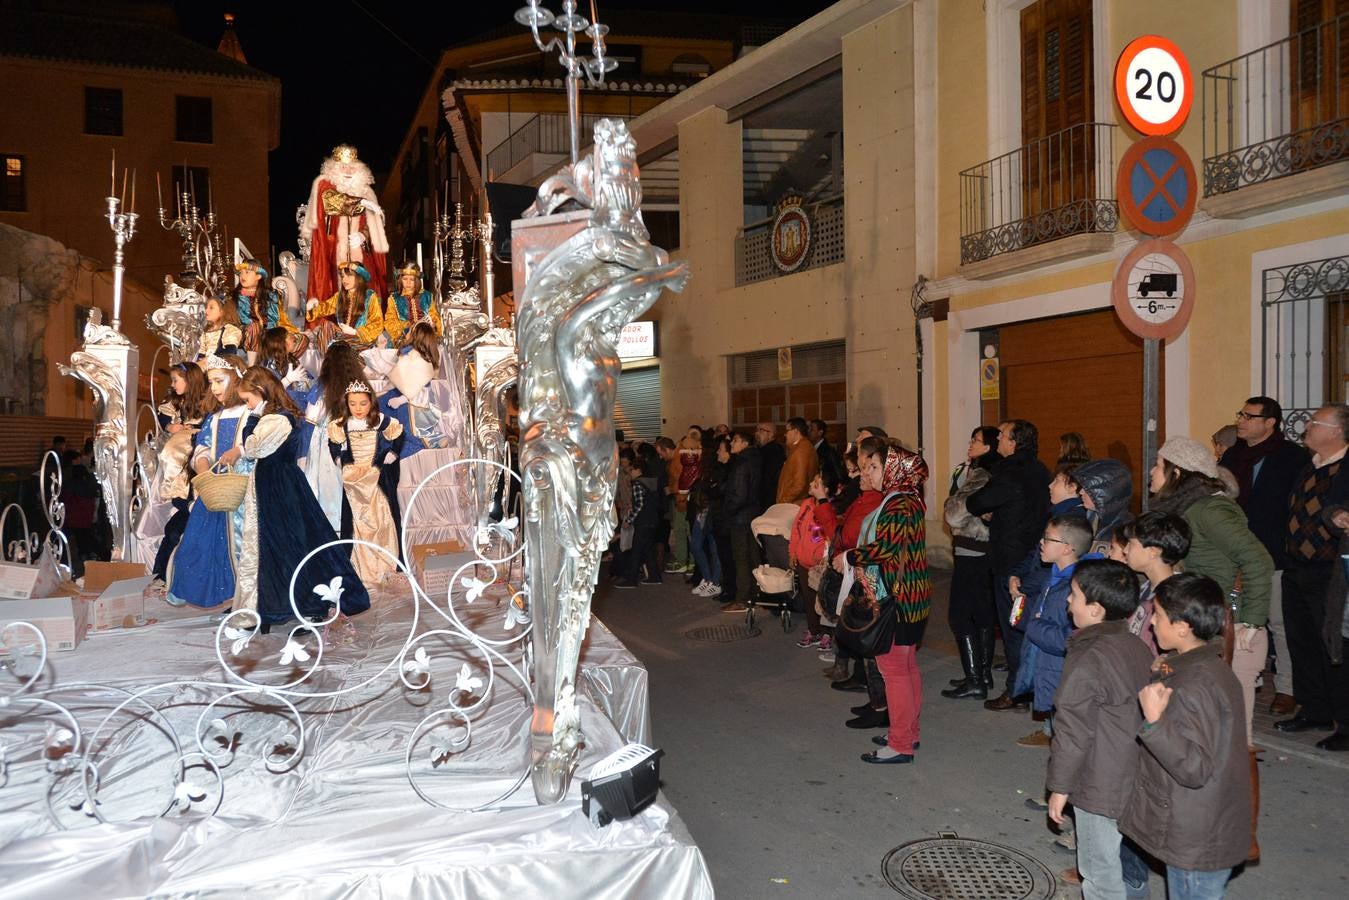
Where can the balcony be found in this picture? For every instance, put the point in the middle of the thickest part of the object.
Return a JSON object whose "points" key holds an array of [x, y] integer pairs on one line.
{"points": [[1276, 123], [753, 253], [537, 147], [1057, 187]]}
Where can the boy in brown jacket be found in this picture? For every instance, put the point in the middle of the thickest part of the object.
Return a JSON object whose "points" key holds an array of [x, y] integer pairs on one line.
{"points": [[1191, 804], [1094, 755]]}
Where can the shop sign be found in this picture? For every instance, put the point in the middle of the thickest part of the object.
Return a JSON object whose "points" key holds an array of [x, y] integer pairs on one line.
{"points": [[637, 340], [790, 237]]}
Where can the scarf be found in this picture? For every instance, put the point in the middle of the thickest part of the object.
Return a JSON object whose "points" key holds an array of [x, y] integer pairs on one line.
{"points": [[1242, 459]]}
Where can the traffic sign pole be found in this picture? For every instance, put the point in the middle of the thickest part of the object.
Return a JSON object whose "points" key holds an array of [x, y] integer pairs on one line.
{"points": [[1152, 389]]}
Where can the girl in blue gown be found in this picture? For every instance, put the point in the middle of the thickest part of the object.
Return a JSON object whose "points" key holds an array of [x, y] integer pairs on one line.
{"points": [[201, 571], [283, 521]]}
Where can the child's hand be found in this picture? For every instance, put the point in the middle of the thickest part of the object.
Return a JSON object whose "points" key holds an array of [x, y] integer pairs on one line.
{"points": [[1153, 698], [1057, 802], [230, 456]]}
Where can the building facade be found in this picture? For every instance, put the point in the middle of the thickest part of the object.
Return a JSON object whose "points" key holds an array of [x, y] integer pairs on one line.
{"points": [[956, 163], [164, 105]]}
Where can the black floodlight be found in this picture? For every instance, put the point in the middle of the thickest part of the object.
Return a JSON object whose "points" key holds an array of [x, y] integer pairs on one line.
{"points": [[622, 784]]}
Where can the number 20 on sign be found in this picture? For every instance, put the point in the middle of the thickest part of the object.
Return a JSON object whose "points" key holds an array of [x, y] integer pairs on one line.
{"points": [[1153, 85]]}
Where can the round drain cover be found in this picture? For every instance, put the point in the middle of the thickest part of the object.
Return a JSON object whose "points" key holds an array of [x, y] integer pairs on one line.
{"points": [[961, 869], [723, 634]]}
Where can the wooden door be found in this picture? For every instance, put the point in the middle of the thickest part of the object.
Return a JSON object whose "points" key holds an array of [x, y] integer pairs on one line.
{"points": [[1079, 373], [1058, 145], [1319, 69]]}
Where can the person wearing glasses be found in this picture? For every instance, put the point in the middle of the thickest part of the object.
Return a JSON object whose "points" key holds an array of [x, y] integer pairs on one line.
{"points": [[1318, 522], [1265, 464]]}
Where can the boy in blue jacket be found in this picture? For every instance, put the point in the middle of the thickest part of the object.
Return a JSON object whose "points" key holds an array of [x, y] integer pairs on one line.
{"points": [[1046, 622]]}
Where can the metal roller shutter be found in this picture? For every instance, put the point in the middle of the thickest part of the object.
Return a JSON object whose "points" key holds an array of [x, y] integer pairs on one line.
{"points": [[637, 407]]}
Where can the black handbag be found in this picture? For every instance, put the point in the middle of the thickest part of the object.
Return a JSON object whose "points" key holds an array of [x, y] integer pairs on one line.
{"points": [[866, 627]]}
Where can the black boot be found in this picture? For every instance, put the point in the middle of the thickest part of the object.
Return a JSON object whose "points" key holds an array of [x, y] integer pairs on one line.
{"points": [[965, 644], [986, 638], [972, 658]]}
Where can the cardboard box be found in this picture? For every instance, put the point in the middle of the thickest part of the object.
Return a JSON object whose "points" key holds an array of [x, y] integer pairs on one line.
{"points": [[62, 620], [19, 581], [441, 548], [98, 575], [437, 570], [121, 605]]}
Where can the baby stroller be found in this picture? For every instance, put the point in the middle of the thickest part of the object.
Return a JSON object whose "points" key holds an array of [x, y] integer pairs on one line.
{"points": [[776, 580]]}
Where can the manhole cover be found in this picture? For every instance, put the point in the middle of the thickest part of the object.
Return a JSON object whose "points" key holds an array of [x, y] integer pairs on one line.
{"points": [[961, 869], [723, 634]]}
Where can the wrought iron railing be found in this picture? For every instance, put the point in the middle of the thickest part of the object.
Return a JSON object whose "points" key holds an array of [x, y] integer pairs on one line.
{"points": [[753, 245], [542, 133], [1051, 188], [1305, 337], [1279, 110]]}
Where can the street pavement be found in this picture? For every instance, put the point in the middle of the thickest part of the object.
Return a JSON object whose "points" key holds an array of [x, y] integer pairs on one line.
{"points": [[769, 782]]}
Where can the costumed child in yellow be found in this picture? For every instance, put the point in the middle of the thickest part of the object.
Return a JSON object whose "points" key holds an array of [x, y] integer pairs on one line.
{"points": [[354, 314], [366, 444], [223, 335], [409, 304]]}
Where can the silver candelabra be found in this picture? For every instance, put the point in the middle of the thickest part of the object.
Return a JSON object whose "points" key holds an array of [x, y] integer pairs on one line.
{"points": [[123, 226], [594, 67]]}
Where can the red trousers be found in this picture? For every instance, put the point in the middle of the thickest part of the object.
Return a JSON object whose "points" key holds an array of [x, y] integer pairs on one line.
{"points": [[903, 695]]}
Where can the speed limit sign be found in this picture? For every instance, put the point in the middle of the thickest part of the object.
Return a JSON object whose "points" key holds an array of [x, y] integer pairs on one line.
{"points": [[1153, 85]]}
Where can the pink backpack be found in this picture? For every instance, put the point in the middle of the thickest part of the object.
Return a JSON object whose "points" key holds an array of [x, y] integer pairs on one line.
{"points": [[808, 540]]}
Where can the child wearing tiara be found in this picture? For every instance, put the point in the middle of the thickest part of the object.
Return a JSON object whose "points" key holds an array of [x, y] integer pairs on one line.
{"points": [[181, 417], [201, 569], [365, 443], [259, 306], [409, 304], [279, 354], [223, 335]]}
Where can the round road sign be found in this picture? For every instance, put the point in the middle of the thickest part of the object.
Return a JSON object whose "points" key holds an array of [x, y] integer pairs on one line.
{"points": [[1153, 85], [1154, 290], [1156, 186]]}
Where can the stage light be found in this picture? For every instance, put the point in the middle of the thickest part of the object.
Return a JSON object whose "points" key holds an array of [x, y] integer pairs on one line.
{"points": [[622, 784]]}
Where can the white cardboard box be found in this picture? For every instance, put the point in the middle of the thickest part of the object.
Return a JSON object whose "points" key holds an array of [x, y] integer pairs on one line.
{"points": [[437, 570], [62, 621], [19, 581], [121, 605]]}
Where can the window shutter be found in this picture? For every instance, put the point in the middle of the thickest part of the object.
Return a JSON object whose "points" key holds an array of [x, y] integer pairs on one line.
{"points": [[637, 404], [1032, 112]]}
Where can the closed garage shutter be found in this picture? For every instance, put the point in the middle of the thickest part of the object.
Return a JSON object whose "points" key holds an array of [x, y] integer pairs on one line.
{"points": [[637, 408]]}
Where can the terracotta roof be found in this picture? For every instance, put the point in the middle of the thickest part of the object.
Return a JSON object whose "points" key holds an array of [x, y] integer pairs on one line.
{"points": [[110, 42]]}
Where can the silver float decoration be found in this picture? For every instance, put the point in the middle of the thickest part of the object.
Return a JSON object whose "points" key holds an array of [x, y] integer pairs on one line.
{"points": [[489, 421], [574, 306], [180, 322]]}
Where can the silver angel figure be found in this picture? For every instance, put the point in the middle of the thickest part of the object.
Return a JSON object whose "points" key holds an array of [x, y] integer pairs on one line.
{"points": [[112, 451], [573, 308], [489, 430], [179, 323]]}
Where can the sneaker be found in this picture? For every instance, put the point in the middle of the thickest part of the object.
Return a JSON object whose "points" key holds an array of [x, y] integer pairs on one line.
{"points": [[826, 644], [626, 584], [1036, 739], [808, 639], [676, 569], [699, 588], [828, 657], [713, 591], [652, 581], [735, 606]]}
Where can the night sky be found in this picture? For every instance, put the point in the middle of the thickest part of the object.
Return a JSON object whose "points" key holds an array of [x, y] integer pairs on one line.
{"points": [[354, 71]]}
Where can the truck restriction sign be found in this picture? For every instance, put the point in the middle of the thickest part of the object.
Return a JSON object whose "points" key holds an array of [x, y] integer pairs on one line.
{"points": [[1154, 290]]}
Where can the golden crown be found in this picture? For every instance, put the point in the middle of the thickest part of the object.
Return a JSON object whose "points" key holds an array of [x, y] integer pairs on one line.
{"points": [[344, 153], [410, 268]]}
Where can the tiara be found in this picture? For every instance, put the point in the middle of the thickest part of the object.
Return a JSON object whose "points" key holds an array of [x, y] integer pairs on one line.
{"points": [[349, 266], [246, 265], [344, 153], [410, 268], [215, 362], [359, 387]]}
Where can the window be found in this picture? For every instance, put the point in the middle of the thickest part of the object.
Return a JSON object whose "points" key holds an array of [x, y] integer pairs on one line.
{"points": [[194, 120], [13, 196], [816, 387], [103, 111], [196, 180]]}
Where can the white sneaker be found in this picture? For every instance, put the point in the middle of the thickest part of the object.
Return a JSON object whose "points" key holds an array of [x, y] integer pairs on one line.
{"points": [[713, 590], [699, 588]]}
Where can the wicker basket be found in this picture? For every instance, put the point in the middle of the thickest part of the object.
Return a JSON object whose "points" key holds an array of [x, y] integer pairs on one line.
{"points": [[221, 491]]}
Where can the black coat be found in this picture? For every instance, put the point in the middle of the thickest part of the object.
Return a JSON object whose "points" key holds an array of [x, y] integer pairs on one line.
{"points": [[1266, 503], [740, 504], [771, 458], [831, 460], [1018, 497]]}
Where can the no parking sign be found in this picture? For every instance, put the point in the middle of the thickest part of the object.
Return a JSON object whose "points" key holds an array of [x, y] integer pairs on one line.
{"points": [[1156, 186]]}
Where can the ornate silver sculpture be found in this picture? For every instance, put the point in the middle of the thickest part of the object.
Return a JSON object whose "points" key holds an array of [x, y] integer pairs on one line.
{"points": [[179, 323], [489, 419], [573, 308]]}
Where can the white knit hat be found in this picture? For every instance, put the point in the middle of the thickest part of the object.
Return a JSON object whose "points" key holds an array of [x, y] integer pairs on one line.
{"points": [[1188, 454]]}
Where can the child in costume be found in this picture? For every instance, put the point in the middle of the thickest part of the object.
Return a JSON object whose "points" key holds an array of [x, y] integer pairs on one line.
{"points": [[181, 417], [355, 313], [409, 304], [366, 442], [201, 570], [259, 306], [279, 354], [222, 336], [283, 521], [326, 402], [412, 399]]}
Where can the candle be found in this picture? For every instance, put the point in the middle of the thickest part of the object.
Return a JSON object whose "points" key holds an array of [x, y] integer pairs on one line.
{"points": [[133, 190], [123, 186], [593, 17], [112, 191], [159, 191]]}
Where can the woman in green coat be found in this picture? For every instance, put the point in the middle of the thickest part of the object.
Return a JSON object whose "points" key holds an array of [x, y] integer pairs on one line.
{"points": [[1185, 482]]}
